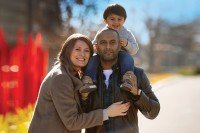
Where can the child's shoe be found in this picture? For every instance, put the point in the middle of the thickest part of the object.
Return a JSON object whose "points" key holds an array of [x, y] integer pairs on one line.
{"points": [[126, 85], [88, 85]]}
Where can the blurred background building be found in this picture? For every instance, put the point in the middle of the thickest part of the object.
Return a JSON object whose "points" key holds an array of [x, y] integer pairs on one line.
{"points": [[170, 46]]}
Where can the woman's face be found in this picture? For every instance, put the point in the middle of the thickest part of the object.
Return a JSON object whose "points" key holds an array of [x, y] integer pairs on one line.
{"points": [[80, 55]]}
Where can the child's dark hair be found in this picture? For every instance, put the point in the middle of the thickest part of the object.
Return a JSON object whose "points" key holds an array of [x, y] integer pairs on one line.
{"points": [[115, 9]]}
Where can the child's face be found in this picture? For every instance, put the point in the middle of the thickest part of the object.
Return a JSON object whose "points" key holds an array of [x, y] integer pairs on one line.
{"points": [[114, 21]]}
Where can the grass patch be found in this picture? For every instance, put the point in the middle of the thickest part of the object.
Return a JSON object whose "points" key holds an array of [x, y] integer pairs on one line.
{"points": [[189, 70], [158, 76]]}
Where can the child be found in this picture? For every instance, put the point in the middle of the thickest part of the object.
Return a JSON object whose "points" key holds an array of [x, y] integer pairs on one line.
{"points": [[114, 17]]}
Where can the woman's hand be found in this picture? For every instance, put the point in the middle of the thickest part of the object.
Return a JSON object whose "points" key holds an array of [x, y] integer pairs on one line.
{"points": [[118, 109]]}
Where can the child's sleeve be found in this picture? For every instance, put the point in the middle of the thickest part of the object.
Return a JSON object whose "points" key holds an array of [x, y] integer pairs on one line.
{"points": [[132, 46]]}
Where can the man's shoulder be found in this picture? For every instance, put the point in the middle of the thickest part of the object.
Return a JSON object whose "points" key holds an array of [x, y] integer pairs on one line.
{"points": [[138, 70], [140, 74]]}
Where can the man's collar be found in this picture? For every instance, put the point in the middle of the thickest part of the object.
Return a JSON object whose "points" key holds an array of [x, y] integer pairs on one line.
{"points": [[114, 67]]}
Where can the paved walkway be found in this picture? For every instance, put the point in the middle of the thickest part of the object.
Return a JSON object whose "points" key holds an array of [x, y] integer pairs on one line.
{"points": [[180, 107]]}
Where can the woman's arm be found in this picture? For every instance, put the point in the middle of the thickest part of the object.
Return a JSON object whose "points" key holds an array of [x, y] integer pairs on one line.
{"points": [[62, 93]]}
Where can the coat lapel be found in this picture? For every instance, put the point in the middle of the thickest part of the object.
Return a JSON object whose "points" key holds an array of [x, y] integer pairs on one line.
{"points": [[77, 85]]}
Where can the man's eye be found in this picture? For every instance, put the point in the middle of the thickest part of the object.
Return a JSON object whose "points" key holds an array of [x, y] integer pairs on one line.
{"points": [[103, 42], [112, 42]]}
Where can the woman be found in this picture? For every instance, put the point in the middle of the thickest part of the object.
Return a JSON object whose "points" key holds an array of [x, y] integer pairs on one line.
{"points": [[58, 108]]}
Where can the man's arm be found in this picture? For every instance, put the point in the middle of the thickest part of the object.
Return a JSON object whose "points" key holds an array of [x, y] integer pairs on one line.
{"points": [[62, 94], [142, 93], [115, 109], [147, 102]]}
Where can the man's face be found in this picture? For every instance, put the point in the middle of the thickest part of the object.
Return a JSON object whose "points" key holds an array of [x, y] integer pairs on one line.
{"points": [[108, 45]]}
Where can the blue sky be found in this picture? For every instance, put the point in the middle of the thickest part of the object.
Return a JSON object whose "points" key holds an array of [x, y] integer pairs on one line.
{"points": [[174, 11]]}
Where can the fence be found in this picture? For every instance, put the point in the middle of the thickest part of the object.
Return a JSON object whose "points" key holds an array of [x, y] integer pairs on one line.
{"points": [[22, 69]]}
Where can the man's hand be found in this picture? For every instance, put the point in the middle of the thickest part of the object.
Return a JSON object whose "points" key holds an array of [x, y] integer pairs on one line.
{"points": [[118, 109], [130, 76]]}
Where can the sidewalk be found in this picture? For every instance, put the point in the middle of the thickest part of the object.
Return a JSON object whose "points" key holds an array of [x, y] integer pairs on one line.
{"points": [[180, 108]]}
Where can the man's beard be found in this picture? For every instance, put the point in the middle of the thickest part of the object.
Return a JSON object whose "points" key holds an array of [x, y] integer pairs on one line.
{"points": [[110, 58]]}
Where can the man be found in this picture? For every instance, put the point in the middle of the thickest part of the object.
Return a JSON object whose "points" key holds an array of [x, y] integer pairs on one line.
{"points": [[140, 96]]}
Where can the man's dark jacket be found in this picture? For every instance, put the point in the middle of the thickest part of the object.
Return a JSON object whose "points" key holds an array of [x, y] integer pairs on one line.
{"points": [[147, 102]]}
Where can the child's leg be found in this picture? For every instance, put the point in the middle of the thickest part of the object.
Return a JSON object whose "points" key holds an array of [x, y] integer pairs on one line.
{"points": [[88, 85], [91, 68], [90, 75], [126, 62]]}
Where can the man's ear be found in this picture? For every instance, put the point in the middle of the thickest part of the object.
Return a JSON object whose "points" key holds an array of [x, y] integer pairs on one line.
{"points": [[95, 47], [119, 44]]}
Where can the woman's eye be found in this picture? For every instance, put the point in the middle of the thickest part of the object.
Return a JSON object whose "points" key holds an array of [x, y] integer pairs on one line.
{"points": [[87, 51], [77, 49]]}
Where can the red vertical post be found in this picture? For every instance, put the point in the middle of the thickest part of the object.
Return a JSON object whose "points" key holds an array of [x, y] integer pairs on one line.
{"points": [[29, 71], [22, 69], [17, 72], [4, 76], [41, 62], [38, 64]]}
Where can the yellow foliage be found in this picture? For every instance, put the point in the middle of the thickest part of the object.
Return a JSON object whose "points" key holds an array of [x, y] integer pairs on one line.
{"points": [[16, 122]]}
